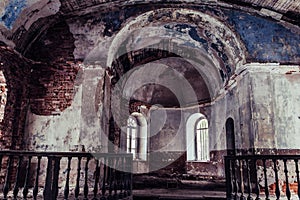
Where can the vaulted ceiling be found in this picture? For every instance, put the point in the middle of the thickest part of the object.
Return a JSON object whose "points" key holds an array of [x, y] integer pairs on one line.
{"points": [[281, 6], [27, 20], [288, 10]]}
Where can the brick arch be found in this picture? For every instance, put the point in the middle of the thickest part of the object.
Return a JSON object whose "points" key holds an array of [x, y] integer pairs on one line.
{"points": [[50, 42], [16, 70]]}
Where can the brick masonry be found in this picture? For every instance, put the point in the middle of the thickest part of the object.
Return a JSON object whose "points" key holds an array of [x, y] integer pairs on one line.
{"points": [[52, 88]]}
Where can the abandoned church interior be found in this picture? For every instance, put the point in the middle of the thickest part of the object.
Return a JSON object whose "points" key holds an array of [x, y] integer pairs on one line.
{"points": [[111, 99]]}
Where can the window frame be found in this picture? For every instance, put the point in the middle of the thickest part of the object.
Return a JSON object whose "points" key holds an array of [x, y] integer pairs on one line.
{"points": [[141, 137], [201, 140], [192, 145], [130, 138]]}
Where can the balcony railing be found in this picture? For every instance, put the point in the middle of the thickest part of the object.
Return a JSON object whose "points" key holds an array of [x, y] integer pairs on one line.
{"points": [[262, 177], [54, 175]]}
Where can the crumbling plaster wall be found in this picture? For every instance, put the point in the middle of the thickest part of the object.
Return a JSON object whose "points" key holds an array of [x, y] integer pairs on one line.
{"points": [[275, 118], [77, 128], [263, 100], [168, 133], [93, 37], [232, 103], [275, 104]]}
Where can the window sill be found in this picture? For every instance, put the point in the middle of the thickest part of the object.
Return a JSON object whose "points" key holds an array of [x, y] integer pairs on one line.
{"points": [[139, 160], [198, 161]]}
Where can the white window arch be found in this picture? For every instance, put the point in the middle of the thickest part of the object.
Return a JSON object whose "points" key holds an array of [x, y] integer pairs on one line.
{"points": [[136, 136], [197, 138], [3, 95], [132, 136]]}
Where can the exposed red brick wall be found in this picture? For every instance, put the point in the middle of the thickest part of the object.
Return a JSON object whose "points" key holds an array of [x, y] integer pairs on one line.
{"points": [[52, 81], [52, 87], [16, 71], [54, 45], [48, 87]]}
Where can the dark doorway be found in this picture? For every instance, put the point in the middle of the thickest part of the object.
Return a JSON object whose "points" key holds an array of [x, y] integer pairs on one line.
{"points": [[230, 139]]}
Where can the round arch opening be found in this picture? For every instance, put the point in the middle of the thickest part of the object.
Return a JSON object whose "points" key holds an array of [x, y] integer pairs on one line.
{"points": [[3, 95]]}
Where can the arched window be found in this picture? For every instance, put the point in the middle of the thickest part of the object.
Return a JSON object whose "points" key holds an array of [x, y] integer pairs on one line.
{"points": [[3, 95], [136, 136], [201, 140], [197, 138], [230, 137], [132, 137]]}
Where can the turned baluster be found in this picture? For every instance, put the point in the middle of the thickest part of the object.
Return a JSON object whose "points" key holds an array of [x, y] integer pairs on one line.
{"points": [[241, 164], [27, 177], [122, 177], [228, 176], [97, 175], [288, 192], [266, 180], [129, 175], [257, 183], [67, 185], [55, 177], [277, 190], [86, 187], [115, 179], [236, 184], [110, 188], [47, 189], [103, 189], [78, 178], [16, 187], [36, 184], [126, 176], [298, 180], [249, 180], [7, 177]]}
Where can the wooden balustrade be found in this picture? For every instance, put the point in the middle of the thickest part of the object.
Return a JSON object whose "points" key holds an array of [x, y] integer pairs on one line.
{"points": [[60, 175], [262, 177]]}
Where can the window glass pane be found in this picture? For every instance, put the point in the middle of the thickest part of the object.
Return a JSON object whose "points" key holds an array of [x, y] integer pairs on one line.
{"points": [[202, 140], [132, 136], [3, 95]]}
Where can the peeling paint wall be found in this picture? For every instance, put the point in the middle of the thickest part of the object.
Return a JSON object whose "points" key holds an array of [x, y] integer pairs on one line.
{"points": [[77, 128], [168, 130], [58, 132], [276, 105], [91, 128]]}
